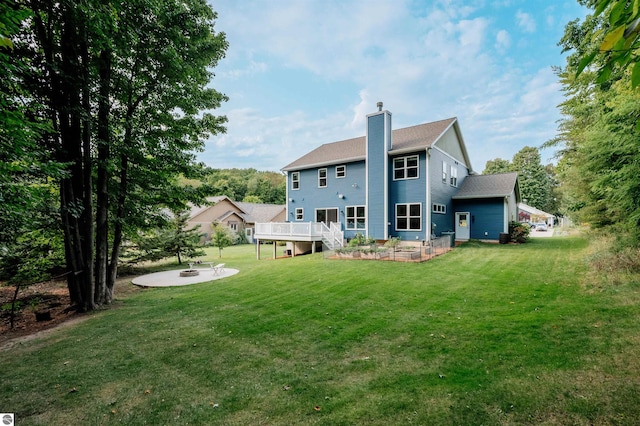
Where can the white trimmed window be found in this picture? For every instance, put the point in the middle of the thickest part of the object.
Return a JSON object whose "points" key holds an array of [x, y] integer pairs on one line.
{"points": [[454, 176], [355, 217], [405, 168], [322, 178], [341, 172], [439, 208], [299, 213], [295, 180], [444, 172], [409, 217]]}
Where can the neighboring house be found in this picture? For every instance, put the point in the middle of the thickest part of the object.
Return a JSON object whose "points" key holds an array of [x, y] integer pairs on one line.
{"points": [[392, 183], [239, 216], [531, 214]]}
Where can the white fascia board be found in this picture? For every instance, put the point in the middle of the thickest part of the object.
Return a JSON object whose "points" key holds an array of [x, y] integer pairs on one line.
{"points": [[324, 163]]}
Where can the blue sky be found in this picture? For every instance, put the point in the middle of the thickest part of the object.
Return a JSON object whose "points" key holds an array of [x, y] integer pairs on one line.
{"points": [[300, 73]]}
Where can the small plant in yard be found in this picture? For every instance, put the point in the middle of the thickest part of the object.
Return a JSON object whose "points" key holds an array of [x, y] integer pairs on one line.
{"points": [[519, 232], [393, 243], [361, 240]]}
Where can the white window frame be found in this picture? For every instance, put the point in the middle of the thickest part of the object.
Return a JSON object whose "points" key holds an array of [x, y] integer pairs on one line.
{"points": [[405, 168], [354, 217], [341, 172], [439, 208], [408, 217], [321, 178], [299, 213], [445, 175], [454, 176], [295, 181]]}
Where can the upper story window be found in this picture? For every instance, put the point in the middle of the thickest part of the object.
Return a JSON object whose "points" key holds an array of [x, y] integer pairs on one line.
{"points": [[299, 213], [295, 180], [341, 172], [444, 172], [355, 217], [439, 208], [409, 217], [405, 168], [454, 176], [322, 178]]}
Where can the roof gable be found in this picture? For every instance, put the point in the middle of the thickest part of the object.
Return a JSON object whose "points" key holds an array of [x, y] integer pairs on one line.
{"points": [[406, 139]]}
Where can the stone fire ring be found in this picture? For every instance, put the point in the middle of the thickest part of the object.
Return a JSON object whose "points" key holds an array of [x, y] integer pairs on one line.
{"points": [[189, 273]]}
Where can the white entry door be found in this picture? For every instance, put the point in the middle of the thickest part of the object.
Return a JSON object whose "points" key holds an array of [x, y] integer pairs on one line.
{"points": [[462, 226]]}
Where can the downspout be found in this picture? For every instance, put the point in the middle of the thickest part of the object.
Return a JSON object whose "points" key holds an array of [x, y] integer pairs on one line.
{"points": [[428, 197], [286, 188]]}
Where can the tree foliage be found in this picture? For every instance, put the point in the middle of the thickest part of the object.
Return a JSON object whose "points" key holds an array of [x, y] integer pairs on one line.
{"points": [[123, 90], [496, 166], [616, 43], [598, 138], [532, 176], [534, 179], [221, 237], [247, 185], [176, 239]]}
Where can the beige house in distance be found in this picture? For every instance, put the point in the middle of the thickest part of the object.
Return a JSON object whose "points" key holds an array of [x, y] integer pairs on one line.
{"points": [[239, 216]]}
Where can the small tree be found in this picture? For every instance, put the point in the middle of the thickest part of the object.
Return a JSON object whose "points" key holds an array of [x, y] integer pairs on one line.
{"points": [[221, 237], [181, 241]]}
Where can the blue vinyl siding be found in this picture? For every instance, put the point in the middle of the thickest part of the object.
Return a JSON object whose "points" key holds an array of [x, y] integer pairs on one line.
{"points": [[310, 197], [376, 158], [487, 215], [408, 191], [441, 193]]}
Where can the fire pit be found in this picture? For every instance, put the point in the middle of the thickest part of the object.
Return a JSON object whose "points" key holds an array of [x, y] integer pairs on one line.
{"points": [[189, 273]]}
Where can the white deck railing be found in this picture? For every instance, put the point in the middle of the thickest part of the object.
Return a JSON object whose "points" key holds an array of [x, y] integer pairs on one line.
{"points": [[301, 231], [282, 230]]}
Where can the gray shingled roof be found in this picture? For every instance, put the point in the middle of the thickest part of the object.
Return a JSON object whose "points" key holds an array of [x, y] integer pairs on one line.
{"points": [[416, 137], [487, 186], [260, 213]]}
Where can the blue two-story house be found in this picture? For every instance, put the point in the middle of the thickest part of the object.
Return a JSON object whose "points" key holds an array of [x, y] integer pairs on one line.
{"points": [[389, 183]]}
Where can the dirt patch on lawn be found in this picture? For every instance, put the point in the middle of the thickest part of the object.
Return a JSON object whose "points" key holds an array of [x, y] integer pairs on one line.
{"points": [[51, 301]]}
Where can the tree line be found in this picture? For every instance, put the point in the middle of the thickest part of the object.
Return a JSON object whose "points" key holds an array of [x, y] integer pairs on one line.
{"points": [[599, 135], [596, 178]]}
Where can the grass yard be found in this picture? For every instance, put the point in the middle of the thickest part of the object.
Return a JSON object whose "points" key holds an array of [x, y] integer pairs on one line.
{"points": [[486, 334]]}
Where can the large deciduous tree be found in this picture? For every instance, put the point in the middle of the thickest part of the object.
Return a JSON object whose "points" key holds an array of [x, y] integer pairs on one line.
{"points": [[124, 85], [533, 178]]}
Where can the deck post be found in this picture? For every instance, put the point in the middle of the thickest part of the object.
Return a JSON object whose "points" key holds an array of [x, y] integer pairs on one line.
{"points": [[257, 249], [275, 248]]}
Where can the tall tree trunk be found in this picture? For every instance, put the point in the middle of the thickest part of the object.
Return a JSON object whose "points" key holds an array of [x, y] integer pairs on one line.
{"points": [[76, 218], [103, 295], [87, 199], [120, 216]]}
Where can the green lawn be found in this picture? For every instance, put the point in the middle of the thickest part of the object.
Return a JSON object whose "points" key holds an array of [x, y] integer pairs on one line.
{"points": [[486, 334]]}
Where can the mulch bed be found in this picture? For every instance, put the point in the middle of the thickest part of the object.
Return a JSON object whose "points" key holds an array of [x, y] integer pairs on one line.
{"points": [[50, 296]]}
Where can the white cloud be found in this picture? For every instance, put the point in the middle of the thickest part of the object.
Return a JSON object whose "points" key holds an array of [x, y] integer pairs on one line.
{"points": [[503, 41], [446, 59], [526, 22]]}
